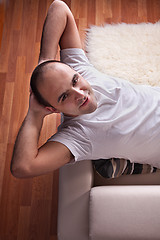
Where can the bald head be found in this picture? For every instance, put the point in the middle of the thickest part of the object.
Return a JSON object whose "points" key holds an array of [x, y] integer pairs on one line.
{"points": [[39, 78]]}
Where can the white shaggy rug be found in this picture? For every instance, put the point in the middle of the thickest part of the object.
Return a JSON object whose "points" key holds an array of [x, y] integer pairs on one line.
{"points": [[128, 51]]}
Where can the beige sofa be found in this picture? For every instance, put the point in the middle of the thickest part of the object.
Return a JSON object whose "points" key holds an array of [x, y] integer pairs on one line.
{"points": [[94, 208]]}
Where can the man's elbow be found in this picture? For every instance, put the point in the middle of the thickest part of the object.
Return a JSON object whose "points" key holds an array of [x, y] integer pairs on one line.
{"points": [[20, 171]]}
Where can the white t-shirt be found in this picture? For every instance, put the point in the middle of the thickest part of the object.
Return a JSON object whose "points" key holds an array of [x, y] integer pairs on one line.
{"points": [[126, 123]]}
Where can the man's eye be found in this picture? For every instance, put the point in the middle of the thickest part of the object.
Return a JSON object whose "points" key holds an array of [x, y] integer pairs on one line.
{"points": [[75, 80], [64, 97]]}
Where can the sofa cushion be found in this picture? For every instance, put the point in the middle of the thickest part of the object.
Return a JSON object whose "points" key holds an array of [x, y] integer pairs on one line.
{"points": [[115, 167], [124, 212]]}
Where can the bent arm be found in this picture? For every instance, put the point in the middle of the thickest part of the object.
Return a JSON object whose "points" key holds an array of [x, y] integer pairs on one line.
{"points": [[59, 28], [27, 159]]}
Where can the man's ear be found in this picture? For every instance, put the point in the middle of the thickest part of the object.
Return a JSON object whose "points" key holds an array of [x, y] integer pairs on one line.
{"points": [[52, 109]]}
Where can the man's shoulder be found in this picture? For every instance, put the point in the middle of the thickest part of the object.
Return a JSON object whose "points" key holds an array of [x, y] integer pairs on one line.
{"points": [[75, 58]]}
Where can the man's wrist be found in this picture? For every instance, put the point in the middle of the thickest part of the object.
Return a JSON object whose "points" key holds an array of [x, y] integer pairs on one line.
{"points": [[35, 116]]}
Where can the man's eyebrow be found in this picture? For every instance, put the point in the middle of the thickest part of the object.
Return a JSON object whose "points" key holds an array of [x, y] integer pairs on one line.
{"points": [[74, 76]]}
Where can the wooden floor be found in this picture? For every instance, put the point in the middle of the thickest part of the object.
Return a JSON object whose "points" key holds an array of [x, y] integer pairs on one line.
{"points": [[28, 208]]}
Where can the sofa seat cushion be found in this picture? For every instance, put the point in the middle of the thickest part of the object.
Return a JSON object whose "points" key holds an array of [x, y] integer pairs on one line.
{"points": [[124, 212]]}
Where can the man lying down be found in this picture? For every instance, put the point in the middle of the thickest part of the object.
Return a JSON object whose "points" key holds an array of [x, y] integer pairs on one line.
{"points": [[103, 117]]}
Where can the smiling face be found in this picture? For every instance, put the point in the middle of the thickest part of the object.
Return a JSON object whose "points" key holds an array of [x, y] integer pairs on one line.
{"points": [[67, 90]]}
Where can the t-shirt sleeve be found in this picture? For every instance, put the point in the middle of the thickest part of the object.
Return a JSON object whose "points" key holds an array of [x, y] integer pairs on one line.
{"points": [[75, 58], [75, 139]]}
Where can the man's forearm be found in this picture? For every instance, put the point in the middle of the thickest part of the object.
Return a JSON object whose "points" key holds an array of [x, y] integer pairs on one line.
{"points": [[59, 29], [26, 145], [53, 29]]}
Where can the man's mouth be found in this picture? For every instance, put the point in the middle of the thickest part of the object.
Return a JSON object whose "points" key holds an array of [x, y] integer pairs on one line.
{"points": [[85, 102]]}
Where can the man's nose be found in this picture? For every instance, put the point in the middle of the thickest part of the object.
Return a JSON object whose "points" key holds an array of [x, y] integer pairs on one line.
{"points": [[79, 94]]}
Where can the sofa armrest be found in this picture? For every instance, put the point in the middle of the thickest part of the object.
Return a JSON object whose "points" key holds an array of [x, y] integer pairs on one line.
{"points": [[125, 212], [75, 182]]}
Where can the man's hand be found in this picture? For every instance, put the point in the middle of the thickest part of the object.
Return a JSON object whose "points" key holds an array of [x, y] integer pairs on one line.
{"points": [[37, 108]]}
